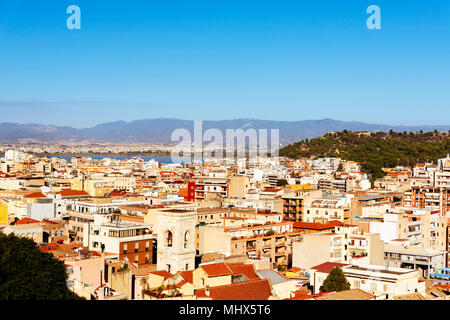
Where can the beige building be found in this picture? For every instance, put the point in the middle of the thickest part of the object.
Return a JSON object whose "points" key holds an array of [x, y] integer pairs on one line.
{"points": [[324, 210], [345, 245]]}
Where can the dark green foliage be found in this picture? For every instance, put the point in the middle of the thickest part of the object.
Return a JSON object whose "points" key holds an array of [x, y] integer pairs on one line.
{"points": [[281, 182], [335, 281], [27, 273], [375, 150]]}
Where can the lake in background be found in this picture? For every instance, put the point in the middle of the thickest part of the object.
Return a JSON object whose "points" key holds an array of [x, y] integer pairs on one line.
{"points": [[159, 159]]}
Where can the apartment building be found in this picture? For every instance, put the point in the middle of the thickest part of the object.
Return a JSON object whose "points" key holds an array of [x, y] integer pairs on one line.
{"points": [[254, 240], [294, 203], [401, 255], [128, 241], [435, 198], [372, 206], [326, 209], [206, 185], [377, 280], [423, 227], [442, 174], [345, 245], [333, 184], [76, 222]]}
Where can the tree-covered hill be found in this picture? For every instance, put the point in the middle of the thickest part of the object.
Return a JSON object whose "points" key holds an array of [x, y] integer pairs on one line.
{"points": [[374, 150]]}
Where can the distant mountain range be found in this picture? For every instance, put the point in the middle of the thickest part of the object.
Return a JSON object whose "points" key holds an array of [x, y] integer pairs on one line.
{"points": [[160, 130]]}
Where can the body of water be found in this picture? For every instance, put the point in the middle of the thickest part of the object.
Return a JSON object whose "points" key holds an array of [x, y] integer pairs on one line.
{"points": [[146, 158]]}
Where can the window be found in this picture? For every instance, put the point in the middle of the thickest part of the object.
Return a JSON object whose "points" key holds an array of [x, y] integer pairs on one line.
{"points": [[168, 239], [186, 239]]}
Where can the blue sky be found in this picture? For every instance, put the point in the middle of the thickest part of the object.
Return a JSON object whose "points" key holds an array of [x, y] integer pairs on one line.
{"points": [[214, 59]]}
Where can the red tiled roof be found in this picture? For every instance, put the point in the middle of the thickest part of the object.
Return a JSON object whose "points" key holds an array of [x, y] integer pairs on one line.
{"points": [[271, 190], [27, 221], [301, 295], [35, 195], [72, 193], [163, 273], [316, 226], [181, 283], [327, 266], [64, 246], [188, 276], [51, 222], [241, 268], [249, 290], [216, 269]]}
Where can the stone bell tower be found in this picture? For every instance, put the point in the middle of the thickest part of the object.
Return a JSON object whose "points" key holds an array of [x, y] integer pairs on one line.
{"points": [[176, 240]]}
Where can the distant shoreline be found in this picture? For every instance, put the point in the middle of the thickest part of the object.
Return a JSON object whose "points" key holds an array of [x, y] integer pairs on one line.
{"points": [[144, 154]]}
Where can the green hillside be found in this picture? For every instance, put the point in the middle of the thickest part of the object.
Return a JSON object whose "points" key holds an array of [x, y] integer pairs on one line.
{"points": [[374, 150]]}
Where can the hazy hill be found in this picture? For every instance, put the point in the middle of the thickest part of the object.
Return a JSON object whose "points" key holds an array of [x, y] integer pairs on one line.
{"points": [[160, 130]]}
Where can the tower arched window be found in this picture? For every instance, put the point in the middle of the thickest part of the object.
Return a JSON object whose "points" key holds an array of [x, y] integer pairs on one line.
{"points": [[169, 239], [186, 239]]}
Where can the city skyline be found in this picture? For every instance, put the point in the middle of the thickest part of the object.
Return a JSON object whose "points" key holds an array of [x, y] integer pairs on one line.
{"points": [[213, 61]]}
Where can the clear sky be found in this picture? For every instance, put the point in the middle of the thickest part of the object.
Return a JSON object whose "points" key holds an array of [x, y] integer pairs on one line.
{"points": [[215, 59]]}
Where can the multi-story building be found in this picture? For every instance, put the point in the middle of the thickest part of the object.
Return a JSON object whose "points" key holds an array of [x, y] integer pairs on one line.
{"points": [[333, 184], [345, 245], [381, 281], [293, 203], [426, 260], [127, 241], [442, 174], [427, 197], [326, 209], [205, 185], [250, 238]]}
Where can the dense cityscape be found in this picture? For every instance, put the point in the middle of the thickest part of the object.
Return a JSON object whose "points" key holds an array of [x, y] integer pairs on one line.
{"points": [[258, 229], [218, 159]]}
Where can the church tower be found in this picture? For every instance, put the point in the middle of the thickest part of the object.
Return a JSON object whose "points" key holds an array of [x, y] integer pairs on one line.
{"points": [[176, 240]]}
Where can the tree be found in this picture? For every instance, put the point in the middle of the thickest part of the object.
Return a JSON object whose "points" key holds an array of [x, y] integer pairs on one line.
{"points": [[27, 273], [335, 281]]}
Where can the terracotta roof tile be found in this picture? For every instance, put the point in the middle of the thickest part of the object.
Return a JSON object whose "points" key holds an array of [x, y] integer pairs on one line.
{"points": [[163, 273], [188, 276], [35, 195], [250, 290], [27, 221], [216, 269], [72, 193], [241, 268], [327, 266]]}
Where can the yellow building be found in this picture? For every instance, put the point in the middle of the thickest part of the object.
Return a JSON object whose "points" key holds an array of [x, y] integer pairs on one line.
{"points": [[3, 213], [298, 187]]}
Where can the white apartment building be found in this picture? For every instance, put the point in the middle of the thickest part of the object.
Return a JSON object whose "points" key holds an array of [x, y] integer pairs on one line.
{"points": [[377, 280]]}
